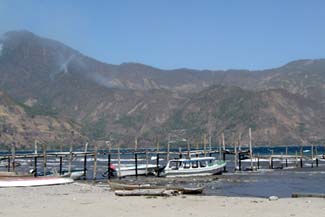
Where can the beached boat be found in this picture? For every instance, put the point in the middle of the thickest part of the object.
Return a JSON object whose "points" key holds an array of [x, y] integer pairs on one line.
{"points": [[32, 181], [201, 166], [115, 186], [142, 169], [121, 186], [14, 174]]}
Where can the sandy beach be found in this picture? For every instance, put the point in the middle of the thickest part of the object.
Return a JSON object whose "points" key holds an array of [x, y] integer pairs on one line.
{"points": [[79, 199]]}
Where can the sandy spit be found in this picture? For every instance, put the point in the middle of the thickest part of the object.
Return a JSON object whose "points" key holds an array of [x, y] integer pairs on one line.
{"points": [[88, 200]]}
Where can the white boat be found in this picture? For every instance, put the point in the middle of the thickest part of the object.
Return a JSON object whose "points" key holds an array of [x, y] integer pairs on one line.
{"points": [[200, 166], [142, 169], [32, 181]]}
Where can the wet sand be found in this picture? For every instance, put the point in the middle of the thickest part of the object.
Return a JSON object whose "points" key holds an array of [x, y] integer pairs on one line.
{"points": [[80, 199]]}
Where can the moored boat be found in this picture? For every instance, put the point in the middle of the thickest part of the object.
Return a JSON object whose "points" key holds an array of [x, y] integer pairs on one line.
{"points": [[200, 166]]}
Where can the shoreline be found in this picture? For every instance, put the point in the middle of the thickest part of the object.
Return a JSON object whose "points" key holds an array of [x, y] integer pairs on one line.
{"points": [[81, 199]]}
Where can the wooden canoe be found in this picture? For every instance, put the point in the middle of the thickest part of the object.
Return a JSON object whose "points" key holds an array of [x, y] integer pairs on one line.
{"points": [[183, 190], [120, 186], [146, 192]]}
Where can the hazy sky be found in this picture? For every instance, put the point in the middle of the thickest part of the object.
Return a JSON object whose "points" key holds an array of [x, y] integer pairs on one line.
{"points": [[201, 34]]}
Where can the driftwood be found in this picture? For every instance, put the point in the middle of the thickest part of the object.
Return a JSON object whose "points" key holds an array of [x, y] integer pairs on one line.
{"points": [[146, 192], [297, 195]]}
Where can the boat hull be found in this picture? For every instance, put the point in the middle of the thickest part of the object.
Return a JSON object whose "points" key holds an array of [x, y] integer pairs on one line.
{"points": [[32, 181], [141, 170]]}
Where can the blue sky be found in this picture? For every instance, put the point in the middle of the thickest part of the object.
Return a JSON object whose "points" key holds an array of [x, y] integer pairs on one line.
{"points": [[200, 34]]}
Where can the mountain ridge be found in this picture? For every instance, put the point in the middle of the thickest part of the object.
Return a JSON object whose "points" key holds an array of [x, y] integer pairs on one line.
{"points": [[133, 99]]}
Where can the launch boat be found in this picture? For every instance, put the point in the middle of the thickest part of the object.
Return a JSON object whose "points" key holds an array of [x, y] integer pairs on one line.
{"points": [[200, 166]]}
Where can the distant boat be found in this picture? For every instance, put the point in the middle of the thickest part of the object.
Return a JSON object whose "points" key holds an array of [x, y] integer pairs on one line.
{"points": [[201, 166], [32, 181]]}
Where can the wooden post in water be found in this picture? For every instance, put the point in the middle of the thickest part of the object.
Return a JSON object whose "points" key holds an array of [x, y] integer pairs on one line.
{"points": [[136, 164], [312, 155], [70, 158], [86, 147], [44, 158], [223, 141], [108, 144], [85, 160], [296, 163], [13, 154], [196, 147], [188, 148], [301, 154], [204, 145], [158, 173], [258, 162], [60, 170], [286, 156], [95, 162], [250, 147], [239, 142], [180, 152], [35, 146], [220, 150], [147, 162], [271, 159], [158, 145], [8, 164], [235, 160], [168, 147], [136, 156], [35, 166], [239, 161], [119, 160], [136, 144]]}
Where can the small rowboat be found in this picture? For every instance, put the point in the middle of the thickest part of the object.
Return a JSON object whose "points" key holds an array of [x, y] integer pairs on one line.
{"points": [[32, 181]]}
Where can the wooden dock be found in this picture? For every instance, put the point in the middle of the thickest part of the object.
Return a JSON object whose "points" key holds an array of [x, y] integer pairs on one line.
{"points": [[238, 157]]}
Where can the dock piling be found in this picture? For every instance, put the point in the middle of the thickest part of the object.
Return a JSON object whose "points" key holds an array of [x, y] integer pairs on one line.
{"points": [[95, 162], [60, 171], [136, 164]]}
